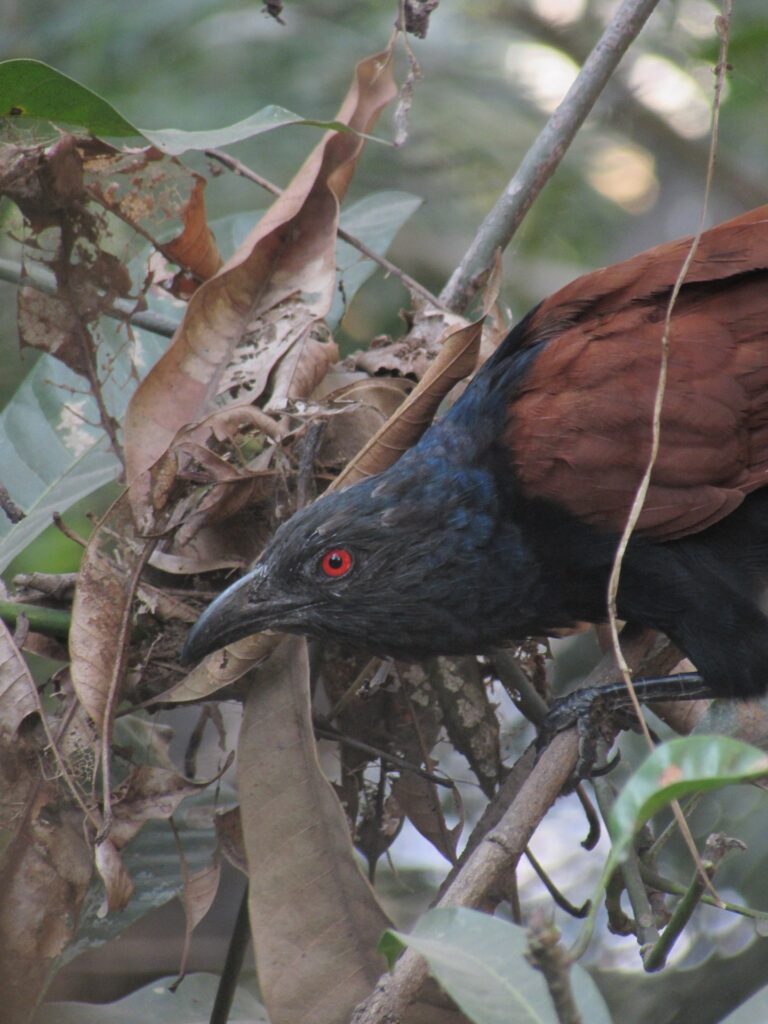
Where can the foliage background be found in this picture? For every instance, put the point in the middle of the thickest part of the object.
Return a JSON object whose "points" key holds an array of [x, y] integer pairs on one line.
{"points": [[491, 72]]}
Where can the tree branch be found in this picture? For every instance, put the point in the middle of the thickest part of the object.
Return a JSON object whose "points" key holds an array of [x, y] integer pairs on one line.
{"points": [[496, 845], [542, 159], [123, 310]]}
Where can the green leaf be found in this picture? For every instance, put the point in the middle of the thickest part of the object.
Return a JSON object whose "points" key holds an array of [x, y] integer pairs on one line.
{"points": [[51, 455], [391, 946], [375, 220], [174, 142], [480, 961], [674, 769], [755, 1009], [29, 88], [52, 450]]}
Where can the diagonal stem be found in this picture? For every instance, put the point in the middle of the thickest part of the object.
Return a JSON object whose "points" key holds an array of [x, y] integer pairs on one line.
{"points": [[542, 159]]}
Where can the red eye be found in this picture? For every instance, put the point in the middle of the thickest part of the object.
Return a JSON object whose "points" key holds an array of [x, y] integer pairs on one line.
{"points": [[336, 563]]}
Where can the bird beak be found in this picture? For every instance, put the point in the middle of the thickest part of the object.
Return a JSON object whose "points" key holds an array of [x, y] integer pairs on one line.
{"points": [[243, 609]]}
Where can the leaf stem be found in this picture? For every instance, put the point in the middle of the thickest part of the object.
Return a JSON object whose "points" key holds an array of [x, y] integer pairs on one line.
{"points": [[49, 621]]}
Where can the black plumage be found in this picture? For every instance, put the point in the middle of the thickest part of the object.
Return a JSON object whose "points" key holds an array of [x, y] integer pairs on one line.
{"points": [[502, 522]]}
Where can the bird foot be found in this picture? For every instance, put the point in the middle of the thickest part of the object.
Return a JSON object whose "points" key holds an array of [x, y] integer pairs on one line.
{"points": [[592, 710]]}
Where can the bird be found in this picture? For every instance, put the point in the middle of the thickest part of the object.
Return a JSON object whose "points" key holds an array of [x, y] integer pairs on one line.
{"points": [[503, 520]]}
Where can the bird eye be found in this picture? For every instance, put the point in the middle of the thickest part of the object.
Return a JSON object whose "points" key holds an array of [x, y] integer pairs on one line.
{"points": [[336, 563]]}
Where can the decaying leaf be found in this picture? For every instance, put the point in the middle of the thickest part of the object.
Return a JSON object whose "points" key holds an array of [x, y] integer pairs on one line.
{"points": [[229, 831], [198, 892], [44, 875], [456, 359], [365, 406], [100, 628], [64, 190], [220, 669], [311, 909], [148, 794], [18, 697], [469, 716], [118, 886], [418, 798], [281, 280]]}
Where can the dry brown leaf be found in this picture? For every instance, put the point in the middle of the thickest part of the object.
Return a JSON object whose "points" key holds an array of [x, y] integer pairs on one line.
{"points": [[164, 606], [147, 189], [310, 907], [195, 248], [229, 832], [457, 358], [118, 886], [148, 794], [419, 800], [220, 669], [288, 256], [302, 368], [469, 716], [72, 181], [18, 694], [45, 871], [197, 895], [100, 629], [364, 406]]}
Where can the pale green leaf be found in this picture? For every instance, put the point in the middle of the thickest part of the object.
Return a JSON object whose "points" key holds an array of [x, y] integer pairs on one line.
{"points": [[480, 961]]}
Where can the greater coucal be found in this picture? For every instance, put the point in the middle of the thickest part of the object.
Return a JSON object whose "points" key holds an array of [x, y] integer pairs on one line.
{"points": [[502, 521]]}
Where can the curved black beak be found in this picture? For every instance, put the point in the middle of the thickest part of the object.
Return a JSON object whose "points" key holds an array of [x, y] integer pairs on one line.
{"points": [[242, 609]]}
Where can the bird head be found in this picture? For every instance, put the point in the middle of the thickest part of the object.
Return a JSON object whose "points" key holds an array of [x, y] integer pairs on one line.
{"points": [[401, 564]]}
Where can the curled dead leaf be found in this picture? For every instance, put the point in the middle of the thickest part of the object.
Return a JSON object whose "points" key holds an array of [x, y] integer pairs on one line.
{"points": [[101, 610], [457, 358], [117, 882], [287, 258], [18, 693]]}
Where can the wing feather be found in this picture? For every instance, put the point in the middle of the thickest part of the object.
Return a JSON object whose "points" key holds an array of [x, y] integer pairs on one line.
{"points": [[579, 424]]}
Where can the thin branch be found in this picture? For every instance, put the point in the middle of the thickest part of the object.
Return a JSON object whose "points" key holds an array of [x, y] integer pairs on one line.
{"points": [[547, 955], [644, 925], [328, 732], [48, 621], [717, 847], [542, 159], [44, 281], [237, 167]]}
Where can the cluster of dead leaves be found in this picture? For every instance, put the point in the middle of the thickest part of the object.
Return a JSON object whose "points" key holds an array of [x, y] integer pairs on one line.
{"points": [[246, 415]]}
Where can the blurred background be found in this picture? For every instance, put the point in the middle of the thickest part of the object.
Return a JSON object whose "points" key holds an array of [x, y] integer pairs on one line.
{"points": [[492, 72]]}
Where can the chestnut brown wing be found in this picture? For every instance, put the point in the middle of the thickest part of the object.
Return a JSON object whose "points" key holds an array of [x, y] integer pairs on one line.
{"points": [[580, 424]]}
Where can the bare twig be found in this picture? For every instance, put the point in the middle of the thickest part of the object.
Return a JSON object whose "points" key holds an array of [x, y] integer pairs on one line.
{"points": [[483, 873], [44, 281], [542, 159], [68, 532], [328, 732], [84, 339], [718, 845], [13, 511], [644, 924], [547, 955]]}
